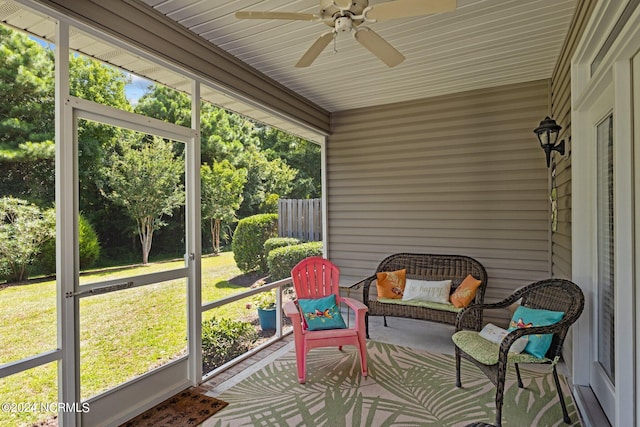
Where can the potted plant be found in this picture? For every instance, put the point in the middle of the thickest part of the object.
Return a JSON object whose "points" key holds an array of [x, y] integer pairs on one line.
{"points": [[265, 302]]}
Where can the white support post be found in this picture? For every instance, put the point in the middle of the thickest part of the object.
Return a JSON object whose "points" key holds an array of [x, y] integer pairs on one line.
{"points": [[194, 241], [66, 224], [325, 197]]}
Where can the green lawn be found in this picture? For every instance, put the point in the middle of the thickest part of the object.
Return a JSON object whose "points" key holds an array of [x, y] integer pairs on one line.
{"points": [[123, 334]]}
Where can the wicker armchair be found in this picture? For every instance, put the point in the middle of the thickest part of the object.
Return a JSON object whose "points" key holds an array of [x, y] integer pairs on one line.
{"points": [[493, 359]]}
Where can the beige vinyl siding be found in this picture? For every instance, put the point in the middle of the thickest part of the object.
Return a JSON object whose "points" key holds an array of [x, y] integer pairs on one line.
{"points": [[457, 174], [561, 111], [143, 27]]}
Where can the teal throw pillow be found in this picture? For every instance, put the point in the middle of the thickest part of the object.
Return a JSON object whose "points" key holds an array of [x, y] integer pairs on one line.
{"points": [[525, 317], [321, 313]]}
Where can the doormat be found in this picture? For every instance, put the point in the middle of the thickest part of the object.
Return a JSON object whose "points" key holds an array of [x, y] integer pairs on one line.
{"points": [[189, 407]]}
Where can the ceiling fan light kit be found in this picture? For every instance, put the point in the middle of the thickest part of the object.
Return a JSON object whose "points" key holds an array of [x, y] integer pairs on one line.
{"points": [[345, 16], [343, 24]]}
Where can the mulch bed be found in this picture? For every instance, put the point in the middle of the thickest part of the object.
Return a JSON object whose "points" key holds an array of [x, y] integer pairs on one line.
{"points": [[249, 279]]}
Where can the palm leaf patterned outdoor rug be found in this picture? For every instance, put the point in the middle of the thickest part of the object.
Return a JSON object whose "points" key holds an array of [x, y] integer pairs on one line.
{"points": [[405, 387]]}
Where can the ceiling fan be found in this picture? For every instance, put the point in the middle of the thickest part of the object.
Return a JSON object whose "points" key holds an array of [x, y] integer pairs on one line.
{"points": [[345, 16]]}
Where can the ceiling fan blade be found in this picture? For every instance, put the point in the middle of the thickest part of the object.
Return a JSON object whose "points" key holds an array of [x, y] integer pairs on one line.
{"points": [[316, 48], [378, 46], [247, 14], [409, 8]]}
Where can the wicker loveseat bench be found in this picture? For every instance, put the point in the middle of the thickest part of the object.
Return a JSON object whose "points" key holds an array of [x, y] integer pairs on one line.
{"points": [[425, 267]]}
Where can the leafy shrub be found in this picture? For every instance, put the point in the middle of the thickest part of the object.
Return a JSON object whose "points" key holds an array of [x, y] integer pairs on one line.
{"points": [[224, 340], [24, 228], [282, 260], [89, 245], [270, 204], [249, 239], [279, 242], [89, 249]]}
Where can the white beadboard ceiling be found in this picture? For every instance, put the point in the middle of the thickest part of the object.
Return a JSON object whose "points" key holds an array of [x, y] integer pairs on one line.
{"points": [[483, 43]]}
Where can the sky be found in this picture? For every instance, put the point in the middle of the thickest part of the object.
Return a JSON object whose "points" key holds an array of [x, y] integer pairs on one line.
{"points": [[136, 88]]}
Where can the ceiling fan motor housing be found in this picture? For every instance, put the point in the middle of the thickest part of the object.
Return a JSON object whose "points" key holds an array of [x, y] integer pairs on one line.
{"points": [[329, 10]]}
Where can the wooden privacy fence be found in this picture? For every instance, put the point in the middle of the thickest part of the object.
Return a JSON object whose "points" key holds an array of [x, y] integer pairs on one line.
{"points": [[300, 218]]}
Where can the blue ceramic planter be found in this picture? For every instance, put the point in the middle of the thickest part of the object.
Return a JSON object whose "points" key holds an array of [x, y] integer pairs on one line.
{"points": [[267, 318]]}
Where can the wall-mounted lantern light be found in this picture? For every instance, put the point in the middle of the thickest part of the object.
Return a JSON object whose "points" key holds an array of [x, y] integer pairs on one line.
{"points": [[548, 132]]}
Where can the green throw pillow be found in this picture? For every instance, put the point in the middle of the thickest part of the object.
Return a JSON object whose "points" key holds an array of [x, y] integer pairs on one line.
{"points": [[321, 313], [525, 317]]}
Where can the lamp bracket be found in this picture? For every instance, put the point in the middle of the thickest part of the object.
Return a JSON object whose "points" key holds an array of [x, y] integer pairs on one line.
{"points": [[548, 148]]}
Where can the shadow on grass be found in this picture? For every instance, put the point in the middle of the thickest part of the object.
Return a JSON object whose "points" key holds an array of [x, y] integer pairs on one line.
{"points": [[248, 279]]}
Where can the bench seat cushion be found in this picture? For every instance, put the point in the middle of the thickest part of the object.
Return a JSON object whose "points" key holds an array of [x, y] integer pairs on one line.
{"points": [[425, 304]]}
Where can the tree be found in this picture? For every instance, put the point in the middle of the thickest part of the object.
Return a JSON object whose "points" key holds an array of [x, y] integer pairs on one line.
{"points": [[26, 90], [223, 135], [26, 118], [24, 228], [146, 179], [94, 81], [27, 151], [264, 178], [166, 104], [229, 136], [297, 153], [222, 187]]}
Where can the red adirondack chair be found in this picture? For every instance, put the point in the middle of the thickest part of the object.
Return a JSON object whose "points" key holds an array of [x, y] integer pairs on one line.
{"points": [[317, 277]]}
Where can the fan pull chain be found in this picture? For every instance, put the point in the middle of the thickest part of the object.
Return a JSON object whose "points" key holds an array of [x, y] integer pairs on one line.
{"points": [[335, 48]]}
